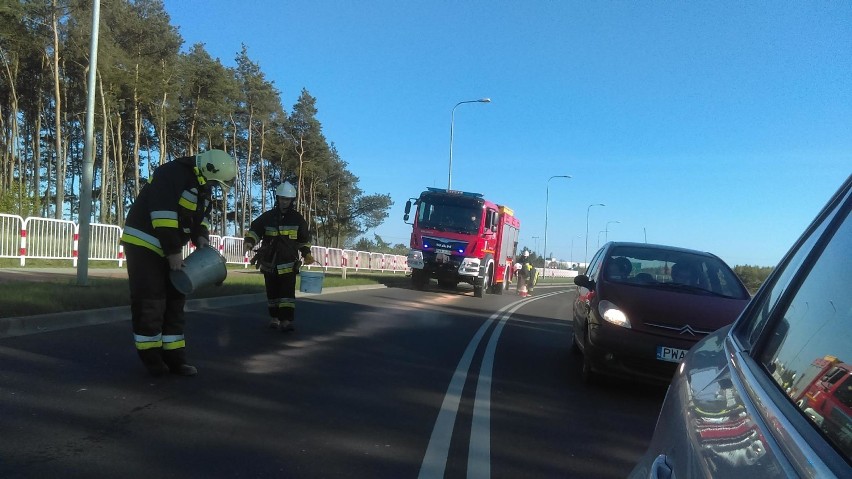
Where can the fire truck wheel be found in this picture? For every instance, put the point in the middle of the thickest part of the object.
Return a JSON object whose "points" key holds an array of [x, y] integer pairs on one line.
{"points": [[498, 288], [419, 279], [486, 284]]}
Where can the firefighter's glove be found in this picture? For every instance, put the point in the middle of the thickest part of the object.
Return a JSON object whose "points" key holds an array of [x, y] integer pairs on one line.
{"points": [[309, 259], [175, 261], [202, 242]]}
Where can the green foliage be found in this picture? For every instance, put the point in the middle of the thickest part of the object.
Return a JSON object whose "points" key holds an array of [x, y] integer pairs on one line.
{"points": [[753, 276], [155, 103], [14, 201], [378, 245]]}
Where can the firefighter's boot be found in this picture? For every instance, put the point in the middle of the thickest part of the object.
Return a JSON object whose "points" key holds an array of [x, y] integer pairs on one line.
{"points": [[153, 361], [176, 361]]}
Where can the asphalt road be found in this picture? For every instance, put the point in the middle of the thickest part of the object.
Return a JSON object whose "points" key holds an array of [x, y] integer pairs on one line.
{"points": [[382, 383]]}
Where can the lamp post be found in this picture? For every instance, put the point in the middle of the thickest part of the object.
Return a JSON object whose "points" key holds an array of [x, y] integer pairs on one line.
{"points": [[535, 238], [606, 229], [572, 246], [599, 237], [586, 257], [452, 121], [546, 200]]}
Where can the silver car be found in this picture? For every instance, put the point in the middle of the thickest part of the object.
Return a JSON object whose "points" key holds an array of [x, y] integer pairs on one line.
{"points": [[771, 395]]}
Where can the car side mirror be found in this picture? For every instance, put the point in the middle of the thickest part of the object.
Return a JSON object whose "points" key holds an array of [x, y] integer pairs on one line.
{"points": [[583, 281]]}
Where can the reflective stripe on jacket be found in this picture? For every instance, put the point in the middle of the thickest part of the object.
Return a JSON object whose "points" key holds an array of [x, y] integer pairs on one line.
{"points": [[170, 210]]}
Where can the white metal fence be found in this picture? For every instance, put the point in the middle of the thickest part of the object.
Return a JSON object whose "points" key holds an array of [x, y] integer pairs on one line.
{"points": [[44, 238]]}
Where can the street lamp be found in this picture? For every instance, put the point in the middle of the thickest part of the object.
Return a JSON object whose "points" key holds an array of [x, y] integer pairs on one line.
{"points": [[535, 238], [599, 237], [586, 257], [606, 229], [452, 120], [572, 246], [546, 200]]}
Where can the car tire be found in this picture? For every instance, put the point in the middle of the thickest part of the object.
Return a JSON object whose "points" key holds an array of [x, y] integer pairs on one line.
{"points": [[586, 372], [575, 345]]}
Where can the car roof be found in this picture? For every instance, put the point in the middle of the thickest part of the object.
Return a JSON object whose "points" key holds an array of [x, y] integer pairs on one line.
{"points": [[613, 244]]}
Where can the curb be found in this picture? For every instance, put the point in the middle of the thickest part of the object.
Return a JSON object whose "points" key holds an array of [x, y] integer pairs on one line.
{"points": [[42, 323]]}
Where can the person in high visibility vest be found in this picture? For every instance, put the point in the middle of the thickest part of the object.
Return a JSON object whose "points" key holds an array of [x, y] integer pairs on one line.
{"points": [[523, 274], [283, 234], [170, 210]]}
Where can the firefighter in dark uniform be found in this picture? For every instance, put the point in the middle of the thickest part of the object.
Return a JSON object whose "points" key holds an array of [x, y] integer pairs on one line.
{"points": [[282, 233], [169, 211]]}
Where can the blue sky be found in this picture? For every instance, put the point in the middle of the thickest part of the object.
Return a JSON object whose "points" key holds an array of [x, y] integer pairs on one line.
{"points": [[719, 126]]}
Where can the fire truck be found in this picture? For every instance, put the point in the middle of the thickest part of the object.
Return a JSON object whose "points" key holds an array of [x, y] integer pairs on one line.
{"points": [[460, 237]]}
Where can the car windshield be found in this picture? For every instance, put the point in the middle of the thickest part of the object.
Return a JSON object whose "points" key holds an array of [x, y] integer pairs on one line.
{"points": [[672, 269]]}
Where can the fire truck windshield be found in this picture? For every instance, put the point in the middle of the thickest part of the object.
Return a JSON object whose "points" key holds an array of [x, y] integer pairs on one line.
{"points": [[457, 214]]}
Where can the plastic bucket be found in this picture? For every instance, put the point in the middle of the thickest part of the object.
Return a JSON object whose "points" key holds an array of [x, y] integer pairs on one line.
{"points": [[205, 266], [311, 281]]}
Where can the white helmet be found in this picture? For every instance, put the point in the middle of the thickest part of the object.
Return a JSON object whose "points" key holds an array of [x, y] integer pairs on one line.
{"points": [[286, 190], [216, 165], [526, 253]]}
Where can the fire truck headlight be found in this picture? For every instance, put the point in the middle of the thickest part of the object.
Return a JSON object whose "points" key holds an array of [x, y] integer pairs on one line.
{"points": [[469, 267], [415, 259]]}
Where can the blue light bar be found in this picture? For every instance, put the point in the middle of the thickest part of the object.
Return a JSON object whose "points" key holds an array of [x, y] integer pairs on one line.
{"points": [[454, 192]]}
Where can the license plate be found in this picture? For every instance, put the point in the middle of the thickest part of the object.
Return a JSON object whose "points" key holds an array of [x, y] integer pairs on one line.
{"points": [[443, 251], [665, 353]]}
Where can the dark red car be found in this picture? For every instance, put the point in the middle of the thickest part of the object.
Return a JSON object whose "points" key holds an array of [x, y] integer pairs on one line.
{"points": [[642, 306]]}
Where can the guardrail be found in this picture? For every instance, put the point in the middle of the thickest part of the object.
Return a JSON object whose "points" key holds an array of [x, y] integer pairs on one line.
{"points": [[45, 238]]}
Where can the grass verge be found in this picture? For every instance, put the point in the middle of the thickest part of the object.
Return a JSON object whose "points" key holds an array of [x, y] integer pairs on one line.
{"points": [[62, 294]]}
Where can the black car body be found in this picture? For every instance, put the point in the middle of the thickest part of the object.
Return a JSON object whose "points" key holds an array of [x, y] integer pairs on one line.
{"points": [[636, 314]]}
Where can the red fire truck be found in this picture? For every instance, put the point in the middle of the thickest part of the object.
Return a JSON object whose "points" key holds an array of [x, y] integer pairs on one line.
{"points": [[460, 237], [828, 402]]}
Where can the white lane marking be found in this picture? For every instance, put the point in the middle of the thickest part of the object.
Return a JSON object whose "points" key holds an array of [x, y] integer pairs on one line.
{"points": [[435, 460], [479, 450]]}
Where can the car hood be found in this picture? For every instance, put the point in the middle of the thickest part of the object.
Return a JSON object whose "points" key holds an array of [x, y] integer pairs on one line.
{"points": [[672, 313]]}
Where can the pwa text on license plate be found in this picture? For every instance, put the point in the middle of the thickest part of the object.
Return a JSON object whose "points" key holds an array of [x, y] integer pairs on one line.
{"points": [[674, 355]]}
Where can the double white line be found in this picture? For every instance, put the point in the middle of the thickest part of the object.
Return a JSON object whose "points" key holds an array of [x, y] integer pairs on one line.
{"points": [[479, 452]]}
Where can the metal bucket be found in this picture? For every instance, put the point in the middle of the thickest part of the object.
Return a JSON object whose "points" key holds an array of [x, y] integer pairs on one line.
{"points": [[311, 281], [205, 266]]}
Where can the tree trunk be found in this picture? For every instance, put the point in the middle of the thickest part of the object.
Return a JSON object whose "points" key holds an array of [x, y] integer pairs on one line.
{"points": [[105, 206], [60, 160], [137, 131], [262, 169], [119, 170]]}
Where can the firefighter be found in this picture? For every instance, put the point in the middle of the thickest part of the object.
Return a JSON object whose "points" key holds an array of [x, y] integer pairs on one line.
{"points": [[522, 271], [283, 234], [532, 277], [169, 211]]}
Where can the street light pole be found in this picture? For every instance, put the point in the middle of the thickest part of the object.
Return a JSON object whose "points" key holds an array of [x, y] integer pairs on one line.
{"points": [[452, 121], [606, 229], [572, 246], [535, 238], [586, 257], [546, 200]]}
